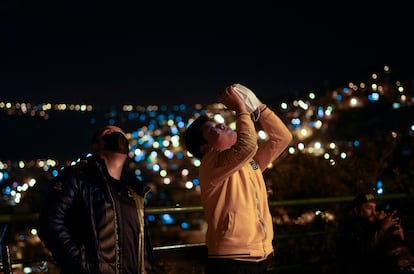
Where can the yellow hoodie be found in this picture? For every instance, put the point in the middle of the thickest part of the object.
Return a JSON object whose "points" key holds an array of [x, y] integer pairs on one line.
{"points": [[233, 191]]}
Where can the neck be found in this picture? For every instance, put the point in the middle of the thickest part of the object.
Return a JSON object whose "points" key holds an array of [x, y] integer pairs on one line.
{"points": [[114, 163]]}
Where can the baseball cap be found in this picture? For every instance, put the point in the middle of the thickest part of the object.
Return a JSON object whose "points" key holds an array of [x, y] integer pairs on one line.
{"points": [[363, 198]]}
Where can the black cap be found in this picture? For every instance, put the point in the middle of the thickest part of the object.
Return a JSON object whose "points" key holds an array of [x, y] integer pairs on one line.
{"points": [[363, 198]]}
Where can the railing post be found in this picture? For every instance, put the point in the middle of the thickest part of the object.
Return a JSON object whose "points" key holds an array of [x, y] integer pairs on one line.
{"points": [[6, 260], [5, 253]]}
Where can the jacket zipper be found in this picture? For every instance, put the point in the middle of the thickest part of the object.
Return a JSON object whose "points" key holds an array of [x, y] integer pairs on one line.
{"points": [[116, 231], [259, 213]]}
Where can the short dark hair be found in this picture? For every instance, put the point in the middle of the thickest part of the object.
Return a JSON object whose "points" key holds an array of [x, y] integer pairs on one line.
{"points": [[194, 136], [96, 137]]}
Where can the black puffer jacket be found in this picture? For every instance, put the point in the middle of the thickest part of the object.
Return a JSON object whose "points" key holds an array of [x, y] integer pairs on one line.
{"points": [[78, 223]]}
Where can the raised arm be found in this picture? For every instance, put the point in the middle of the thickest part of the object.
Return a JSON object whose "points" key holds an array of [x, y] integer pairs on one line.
{"points": [[279, 137]]}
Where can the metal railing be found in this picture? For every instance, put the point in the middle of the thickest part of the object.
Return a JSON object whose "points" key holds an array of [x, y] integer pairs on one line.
{"points": [[7, 261]]}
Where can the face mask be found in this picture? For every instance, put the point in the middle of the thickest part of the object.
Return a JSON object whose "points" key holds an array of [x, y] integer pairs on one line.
{"points": [[250, 100], [116, 142]]}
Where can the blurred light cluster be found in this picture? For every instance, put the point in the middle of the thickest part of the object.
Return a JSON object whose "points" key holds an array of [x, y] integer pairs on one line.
{"points": [[310, 117], [41, 110], [13, 188]]}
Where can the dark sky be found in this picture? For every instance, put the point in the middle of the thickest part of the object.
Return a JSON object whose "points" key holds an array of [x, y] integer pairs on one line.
{"points": [[131, 53]]}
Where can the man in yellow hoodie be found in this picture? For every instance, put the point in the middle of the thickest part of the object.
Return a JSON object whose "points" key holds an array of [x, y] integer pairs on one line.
{"points": [[233, 192]]}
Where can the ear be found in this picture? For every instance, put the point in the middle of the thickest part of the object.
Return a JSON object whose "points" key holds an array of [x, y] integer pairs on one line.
{"points": [[205, 148], [94, 147], [98, 146], [356, 210]]}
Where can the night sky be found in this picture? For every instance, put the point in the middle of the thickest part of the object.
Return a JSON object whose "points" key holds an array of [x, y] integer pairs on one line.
{"points": [[131, 53]]}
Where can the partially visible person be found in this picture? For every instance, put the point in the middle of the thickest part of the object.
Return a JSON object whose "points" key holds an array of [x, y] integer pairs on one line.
{"points": [[372, 240], [93, 217], [233, 192]]}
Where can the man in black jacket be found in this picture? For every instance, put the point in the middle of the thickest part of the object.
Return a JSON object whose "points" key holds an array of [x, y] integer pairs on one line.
{"points": [[93, 218], [372, 241]]}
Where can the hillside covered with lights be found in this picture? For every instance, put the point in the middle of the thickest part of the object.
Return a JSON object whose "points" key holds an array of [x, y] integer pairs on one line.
{"points": [[354, 136]]}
